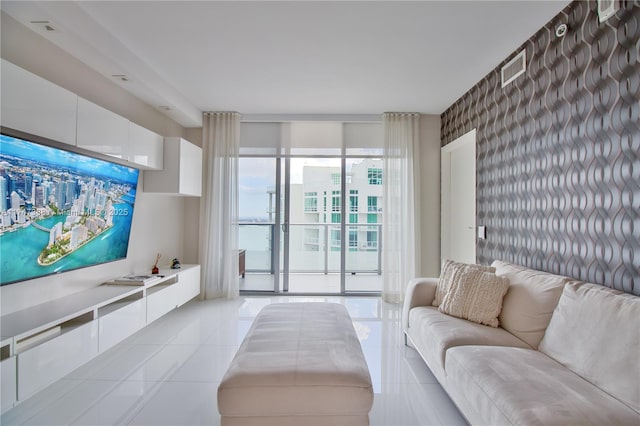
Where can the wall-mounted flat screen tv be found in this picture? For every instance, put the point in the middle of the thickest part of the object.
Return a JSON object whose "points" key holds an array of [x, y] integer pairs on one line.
{"points": [[60, 210]]}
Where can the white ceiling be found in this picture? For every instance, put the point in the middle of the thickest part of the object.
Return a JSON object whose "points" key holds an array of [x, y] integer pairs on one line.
{"points": [[361, 57]]}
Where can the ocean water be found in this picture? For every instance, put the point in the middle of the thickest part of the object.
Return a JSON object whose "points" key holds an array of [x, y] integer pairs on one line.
{"points": [[19, 250], [255, 239]]}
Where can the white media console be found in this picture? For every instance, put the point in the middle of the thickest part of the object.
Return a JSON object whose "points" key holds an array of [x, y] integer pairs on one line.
{"points": [[41, 344]]}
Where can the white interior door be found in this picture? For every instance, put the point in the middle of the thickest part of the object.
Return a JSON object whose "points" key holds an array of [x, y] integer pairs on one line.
{"points": [[459, 199]]}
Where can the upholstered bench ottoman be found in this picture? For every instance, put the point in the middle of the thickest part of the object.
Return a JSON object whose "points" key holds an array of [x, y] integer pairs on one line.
{"points": [[300, 364]]}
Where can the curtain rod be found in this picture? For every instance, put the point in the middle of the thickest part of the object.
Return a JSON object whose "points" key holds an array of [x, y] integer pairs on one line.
{"points": [[312, 117], [220, 112]]}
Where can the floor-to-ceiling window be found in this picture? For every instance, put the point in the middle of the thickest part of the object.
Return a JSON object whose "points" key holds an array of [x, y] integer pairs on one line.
{"points": [[303, 187], [257, 209], [363, 259]]}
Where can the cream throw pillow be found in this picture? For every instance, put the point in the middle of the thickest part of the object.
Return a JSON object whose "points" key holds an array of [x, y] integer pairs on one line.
{"points": [[476, 296], [450, 272]]}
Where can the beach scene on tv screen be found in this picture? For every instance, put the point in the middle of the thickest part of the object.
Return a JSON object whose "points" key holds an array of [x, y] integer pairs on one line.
{"points": [[60, 210]]}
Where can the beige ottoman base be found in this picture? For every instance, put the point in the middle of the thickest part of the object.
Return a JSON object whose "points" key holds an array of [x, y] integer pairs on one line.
{"points": [[295, 421], [300, 364]]}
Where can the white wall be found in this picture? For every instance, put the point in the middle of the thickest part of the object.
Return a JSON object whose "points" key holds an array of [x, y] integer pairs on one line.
{"points": [[158, 221], [430, 194]]}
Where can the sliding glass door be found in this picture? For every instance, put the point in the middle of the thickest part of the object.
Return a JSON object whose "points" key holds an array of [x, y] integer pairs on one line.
{"points": [[310, 212], [363, 260], [314, 218], [258, 231]]}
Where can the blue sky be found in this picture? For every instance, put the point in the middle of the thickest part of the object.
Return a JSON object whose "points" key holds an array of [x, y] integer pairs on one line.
{"points": [[81, 163], [256, 176], [259, 174]]}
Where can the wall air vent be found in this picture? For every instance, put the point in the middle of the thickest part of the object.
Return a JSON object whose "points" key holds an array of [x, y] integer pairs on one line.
{"points": [[606, 9], [514, 68]]}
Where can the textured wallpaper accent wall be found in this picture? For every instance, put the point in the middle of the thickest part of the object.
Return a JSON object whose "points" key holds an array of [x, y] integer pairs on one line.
{"points": [[558, 150]]}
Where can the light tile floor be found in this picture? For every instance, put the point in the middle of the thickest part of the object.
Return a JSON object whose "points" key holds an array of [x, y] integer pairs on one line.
{"points": [[168, 373]]}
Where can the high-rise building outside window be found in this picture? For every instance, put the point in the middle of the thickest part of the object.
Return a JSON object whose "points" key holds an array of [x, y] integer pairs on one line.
{"points": [[353, 200], [372, 240], [372, 204], [353, 239], [335, 201], [311, 202], [374, 175], [335, 240]]}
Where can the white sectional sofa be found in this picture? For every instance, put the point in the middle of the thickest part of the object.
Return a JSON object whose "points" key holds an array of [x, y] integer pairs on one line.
{"points": [[565, 353]]}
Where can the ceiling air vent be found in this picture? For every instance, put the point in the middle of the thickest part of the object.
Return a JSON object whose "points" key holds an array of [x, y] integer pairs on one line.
{"points": [[606, 9], [514, 68], [46, 25]]}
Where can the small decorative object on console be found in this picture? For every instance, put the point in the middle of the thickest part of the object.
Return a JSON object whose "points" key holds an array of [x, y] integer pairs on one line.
{"points": [[155, 270], [132, 280], [175, 264]]}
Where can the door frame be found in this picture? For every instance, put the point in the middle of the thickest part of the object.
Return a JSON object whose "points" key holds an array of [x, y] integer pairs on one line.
{"points": [[464, 141]]}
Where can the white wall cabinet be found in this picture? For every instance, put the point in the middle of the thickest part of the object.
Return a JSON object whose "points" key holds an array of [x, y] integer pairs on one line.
{"points": [[43, 343], [108, 133], [182, 170], [34, 105], [145, 148], [101, 130]]}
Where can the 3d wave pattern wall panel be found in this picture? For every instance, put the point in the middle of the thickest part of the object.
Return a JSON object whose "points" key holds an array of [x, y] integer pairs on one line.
{"points": [[558, 155]]}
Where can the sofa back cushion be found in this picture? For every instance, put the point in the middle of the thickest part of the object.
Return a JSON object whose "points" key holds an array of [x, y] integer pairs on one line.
{"points": [[530, 301], [595, 332], [450, 272]]}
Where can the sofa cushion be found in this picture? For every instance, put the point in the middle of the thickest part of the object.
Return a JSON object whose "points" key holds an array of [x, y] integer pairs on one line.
{"points": [[476, 296], [433, 333], [449, 274], [595, 332], [502, 385], [530, 301]]}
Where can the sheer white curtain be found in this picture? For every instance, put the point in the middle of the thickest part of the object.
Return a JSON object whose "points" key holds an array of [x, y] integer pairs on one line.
{"points": [[219, 205], [401, 226]]}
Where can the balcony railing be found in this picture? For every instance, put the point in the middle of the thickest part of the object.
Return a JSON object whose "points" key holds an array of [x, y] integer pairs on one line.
{"points": [[313, 247]]}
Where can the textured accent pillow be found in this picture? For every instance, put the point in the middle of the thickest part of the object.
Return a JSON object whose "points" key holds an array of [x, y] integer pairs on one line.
{"points": [[476, 296], [450, 272]]}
